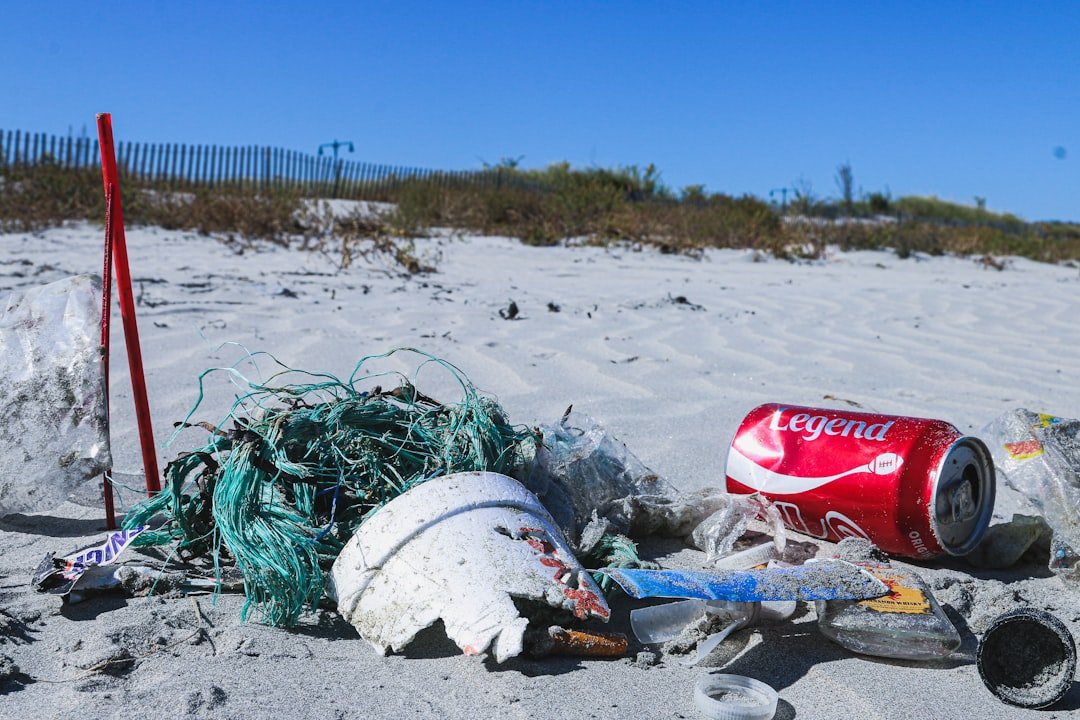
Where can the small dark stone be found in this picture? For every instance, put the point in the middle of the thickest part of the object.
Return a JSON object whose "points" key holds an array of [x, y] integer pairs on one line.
{"points": [[509, 313]]}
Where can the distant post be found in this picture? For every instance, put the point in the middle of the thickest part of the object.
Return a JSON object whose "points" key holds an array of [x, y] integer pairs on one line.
{"points": [[783, 197], [336, 146]]}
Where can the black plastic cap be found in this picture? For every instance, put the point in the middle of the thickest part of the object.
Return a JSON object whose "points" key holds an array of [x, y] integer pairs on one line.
{"points": [[1027, 658]]}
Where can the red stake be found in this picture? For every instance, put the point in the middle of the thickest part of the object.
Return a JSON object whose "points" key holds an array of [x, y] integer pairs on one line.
{"points": [[118, 241]]}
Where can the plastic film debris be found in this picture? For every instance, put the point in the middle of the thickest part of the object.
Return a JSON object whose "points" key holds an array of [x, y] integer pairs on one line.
{"points": [[1039, 455], [54, 424]]}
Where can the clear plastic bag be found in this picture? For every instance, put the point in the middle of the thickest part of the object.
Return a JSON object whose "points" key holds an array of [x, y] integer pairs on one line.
{"points": [[1039, 455], [580, 468], [54, 423]]}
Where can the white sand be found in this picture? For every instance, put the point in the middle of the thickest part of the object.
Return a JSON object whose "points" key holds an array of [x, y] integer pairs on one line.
{"points": [[937, 337]]}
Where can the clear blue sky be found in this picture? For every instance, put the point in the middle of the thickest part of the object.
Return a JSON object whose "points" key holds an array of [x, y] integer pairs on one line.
{"points": [[952, 99]]}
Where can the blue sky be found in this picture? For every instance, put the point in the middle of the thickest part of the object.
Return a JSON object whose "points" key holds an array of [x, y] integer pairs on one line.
{"points": [[952, 99]]}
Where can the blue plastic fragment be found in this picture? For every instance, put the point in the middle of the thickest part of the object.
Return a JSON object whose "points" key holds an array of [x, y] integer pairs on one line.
{"points": [[826, 580]]}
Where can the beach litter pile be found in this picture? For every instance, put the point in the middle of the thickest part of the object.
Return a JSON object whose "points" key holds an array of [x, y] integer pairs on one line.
{"points": [[368, 495], [297, 466]]}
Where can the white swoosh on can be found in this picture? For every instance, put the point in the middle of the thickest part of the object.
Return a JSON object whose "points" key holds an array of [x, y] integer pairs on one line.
{"points": [[744, 470]]}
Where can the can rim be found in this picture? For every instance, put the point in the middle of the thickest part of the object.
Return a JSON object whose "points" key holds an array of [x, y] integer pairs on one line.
{"points": [[986, 498]]}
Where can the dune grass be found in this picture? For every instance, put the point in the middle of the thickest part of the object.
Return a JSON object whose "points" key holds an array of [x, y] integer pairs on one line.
{"points": [[545, 207]]}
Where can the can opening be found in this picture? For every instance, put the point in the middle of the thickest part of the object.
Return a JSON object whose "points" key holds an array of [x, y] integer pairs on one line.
{"points": [[964, 496]]}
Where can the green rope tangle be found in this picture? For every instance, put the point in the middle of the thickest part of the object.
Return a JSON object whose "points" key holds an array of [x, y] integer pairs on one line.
{"points": [[301, 466]]}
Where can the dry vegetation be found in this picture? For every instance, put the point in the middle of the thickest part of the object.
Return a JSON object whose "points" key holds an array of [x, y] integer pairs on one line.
{"points": [[544, 207]]}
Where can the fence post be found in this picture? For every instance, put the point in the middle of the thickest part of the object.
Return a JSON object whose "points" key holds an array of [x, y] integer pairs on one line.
{"points": [[197, 160], [140, 161], [149, 159], [181, 165], [354, 170], [173, 174], [133, 159], [194, 157], [361, 190]]}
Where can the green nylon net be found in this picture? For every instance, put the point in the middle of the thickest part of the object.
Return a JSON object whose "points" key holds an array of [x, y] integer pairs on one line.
{"points": [[285, 480]]}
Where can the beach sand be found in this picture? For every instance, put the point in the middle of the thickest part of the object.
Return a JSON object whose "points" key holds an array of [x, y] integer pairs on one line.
{"points": [[668, 352]]}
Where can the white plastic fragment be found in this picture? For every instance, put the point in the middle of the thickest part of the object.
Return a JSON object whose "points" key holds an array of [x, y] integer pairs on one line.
{"points": [[54, 423], [459, 548], [660, 623]]}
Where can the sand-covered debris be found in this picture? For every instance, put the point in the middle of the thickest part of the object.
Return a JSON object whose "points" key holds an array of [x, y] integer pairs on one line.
{"points": [[8, 669], [695, 633]]}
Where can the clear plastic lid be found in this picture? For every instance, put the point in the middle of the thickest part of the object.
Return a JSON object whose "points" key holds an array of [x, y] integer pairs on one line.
{"points": [[734, 697]]}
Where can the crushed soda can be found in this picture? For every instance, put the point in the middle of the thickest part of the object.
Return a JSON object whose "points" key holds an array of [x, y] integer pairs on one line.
{"points": [[915, 487]]}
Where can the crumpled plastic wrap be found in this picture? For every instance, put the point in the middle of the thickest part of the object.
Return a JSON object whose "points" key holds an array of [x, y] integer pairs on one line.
{"points": [[1039, 455], [719, 532], [580, 468], [54, 423]]}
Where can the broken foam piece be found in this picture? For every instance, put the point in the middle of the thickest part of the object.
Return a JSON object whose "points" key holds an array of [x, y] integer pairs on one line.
{"points": [[460, 548]]}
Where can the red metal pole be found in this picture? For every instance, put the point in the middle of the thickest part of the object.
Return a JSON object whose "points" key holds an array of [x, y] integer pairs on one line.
{"points": [[127, 304], [106, 307]]}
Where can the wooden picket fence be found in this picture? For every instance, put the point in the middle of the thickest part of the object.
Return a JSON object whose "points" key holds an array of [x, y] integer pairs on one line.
{"points": [[173, 166]]}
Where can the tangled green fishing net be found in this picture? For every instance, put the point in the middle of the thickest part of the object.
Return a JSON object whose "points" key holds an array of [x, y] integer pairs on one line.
{"points": [[285, 480]]}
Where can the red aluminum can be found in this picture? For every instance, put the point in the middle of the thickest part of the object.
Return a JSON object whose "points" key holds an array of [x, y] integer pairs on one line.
{"points": [[914, 487]]}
